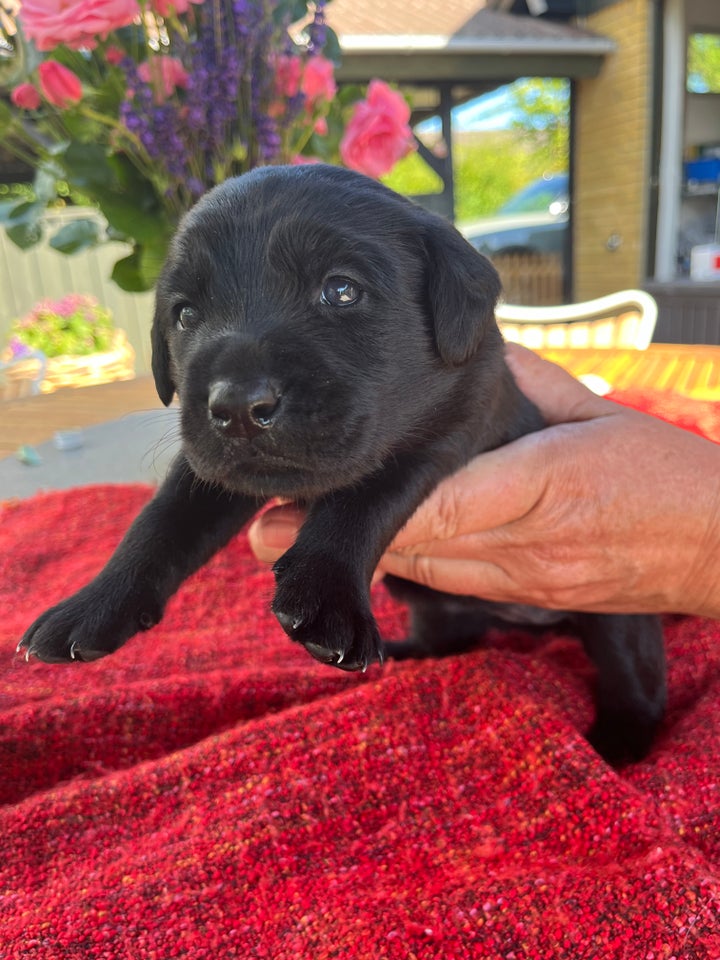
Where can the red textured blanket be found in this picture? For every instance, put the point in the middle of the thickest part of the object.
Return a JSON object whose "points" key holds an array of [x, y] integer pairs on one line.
{"points": [[212, 792]]}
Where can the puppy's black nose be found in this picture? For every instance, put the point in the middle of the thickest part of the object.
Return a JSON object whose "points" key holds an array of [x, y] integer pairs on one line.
{"points": [[243, 409]]}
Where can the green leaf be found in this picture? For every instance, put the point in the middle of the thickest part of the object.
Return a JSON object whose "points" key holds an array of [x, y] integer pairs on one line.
{"points": [[138, 272], [25, 235], [128, 177], [109, 94], [127, 274], [81, 129], [332, 50], [87, 166], [6, 209], [291, 11], [146, 219], [127, 219], [77, 235], [153, 258], [25, 213], [349, 94]]}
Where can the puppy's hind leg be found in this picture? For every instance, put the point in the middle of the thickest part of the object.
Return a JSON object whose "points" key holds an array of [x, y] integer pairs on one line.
{"points": [[440, 624], [628, 652]]}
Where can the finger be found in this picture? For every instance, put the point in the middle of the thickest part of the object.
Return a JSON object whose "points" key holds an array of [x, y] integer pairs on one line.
{"points": [[274, 532], [559, 396], [471, 578], [490, 581], [470, 546]]}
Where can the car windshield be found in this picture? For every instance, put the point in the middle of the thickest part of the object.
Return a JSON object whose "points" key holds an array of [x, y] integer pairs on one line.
{"points": [[538, 196]]}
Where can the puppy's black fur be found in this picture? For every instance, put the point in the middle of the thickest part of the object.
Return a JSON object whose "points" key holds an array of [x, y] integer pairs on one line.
{"points": [[332, 343]]}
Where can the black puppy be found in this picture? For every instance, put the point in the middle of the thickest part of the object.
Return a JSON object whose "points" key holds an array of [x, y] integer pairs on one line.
{"points": [[332, 343]]}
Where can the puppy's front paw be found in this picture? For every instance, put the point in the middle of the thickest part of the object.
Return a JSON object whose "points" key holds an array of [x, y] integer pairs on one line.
{"points": [[89, 625], [326, 613]]}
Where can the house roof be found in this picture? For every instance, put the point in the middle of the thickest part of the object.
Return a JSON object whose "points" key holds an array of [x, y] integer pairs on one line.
{"points": [[458, 41]]}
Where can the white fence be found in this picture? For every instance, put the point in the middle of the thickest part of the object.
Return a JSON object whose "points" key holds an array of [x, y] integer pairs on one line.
{"points": [[27, 276]]}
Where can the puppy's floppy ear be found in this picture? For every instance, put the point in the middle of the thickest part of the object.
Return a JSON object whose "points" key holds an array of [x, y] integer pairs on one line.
{"points": [[161, 361], [462, 288]]}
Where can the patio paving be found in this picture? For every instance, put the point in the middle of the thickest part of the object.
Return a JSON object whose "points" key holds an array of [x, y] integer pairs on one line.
{"points": [[136, 448]]}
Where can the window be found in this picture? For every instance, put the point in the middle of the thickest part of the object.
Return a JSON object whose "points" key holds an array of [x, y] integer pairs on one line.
{"points": [[703, 63]]}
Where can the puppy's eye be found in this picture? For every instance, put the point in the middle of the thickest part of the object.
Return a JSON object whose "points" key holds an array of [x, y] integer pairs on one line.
{"points": [[186, 316], [340, 292]]}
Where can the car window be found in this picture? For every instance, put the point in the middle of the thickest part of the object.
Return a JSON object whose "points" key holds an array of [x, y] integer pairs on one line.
{"points": [[538, 196]]}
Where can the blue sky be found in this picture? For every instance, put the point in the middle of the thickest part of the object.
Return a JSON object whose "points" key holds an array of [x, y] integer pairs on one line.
{"points": [[491, 111]]}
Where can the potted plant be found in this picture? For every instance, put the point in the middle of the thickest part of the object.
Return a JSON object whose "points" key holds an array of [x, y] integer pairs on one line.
{"points": [[70, 342]]}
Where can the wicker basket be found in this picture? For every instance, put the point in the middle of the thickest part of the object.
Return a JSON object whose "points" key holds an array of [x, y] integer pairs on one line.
{"points": [[118, 363]]}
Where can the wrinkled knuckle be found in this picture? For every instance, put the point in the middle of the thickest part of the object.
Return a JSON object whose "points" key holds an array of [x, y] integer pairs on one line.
{"points": [[421, 570], [448, 512]]}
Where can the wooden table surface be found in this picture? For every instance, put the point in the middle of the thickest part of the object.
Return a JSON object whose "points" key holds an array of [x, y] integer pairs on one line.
{"points": [[692, 370], [35, 419]]}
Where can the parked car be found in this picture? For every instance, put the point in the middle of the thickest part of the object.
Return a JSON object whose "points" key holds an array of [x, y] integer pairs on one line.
{"points": [[533, 221]]}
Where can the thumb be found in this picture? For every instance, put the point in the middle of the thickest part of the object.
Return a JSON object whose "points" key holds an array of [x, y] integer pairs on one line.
{"points": [[500, 486], [557, 394]]}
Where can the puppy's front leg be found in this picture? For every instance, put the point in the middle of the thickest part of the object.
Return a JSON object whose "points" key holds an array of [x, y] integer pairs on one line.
{"points": [[176, 533], [323, 580]]}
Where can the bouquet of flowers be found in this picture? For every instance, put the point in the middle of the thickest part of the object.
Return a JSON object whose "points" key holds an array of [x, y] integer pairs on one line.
{"points": [[140, 106]]}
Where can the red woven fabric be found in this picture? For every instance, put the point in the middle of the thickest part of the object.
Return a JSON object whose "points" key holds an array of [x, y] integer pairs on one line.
{"points": [[213, 792]]}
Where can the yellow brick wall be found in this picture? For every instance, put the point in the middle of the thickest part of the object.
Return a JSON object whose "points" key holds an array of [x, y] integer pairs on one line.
{"points": [[611, 159]]}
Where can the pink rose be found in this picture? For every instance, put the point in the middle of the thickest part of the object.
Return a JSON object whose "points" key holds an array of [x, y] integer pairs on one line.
{"points": [[59, 86], [165, 74], [287, 76], [378, 133], [25, 97], [318, 81], [75, 23]]}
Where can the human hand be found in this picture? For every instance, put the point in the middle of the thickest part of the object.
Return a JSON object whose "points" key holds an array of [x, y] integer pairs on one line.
{"points": [[605, 510]]}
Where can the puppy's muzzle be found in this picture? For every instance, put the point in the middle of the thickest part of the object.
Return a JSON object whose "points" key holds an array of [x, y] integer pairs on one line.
{"points": [[243, 410]]}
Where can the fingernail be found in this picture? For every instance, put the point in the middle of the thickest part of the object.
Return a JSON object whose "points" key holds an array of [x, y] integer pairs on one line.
{"points": [[273, 531]]}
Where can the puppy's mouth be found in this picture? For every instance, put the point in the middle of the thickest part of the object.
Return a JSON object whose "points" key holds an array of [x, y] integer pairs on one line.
{"points": [[264, 476], [267, 467]]}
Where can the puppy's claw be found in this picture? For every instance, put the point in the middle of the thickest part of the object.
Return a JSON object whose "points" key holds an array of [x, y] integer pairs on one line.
{"points": [[336, 658], [288, 622], [85, 656], [322, 653]]}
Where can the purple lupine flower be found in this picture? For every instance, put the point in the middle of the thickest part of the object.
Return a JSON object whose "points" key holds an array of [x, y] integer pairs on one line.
{"points": [[222, 122]]}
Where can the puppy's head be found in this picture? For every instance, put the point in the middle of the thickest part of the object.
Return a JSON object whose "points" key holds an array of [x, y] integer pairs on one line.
{"points": [[313, 323]]}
